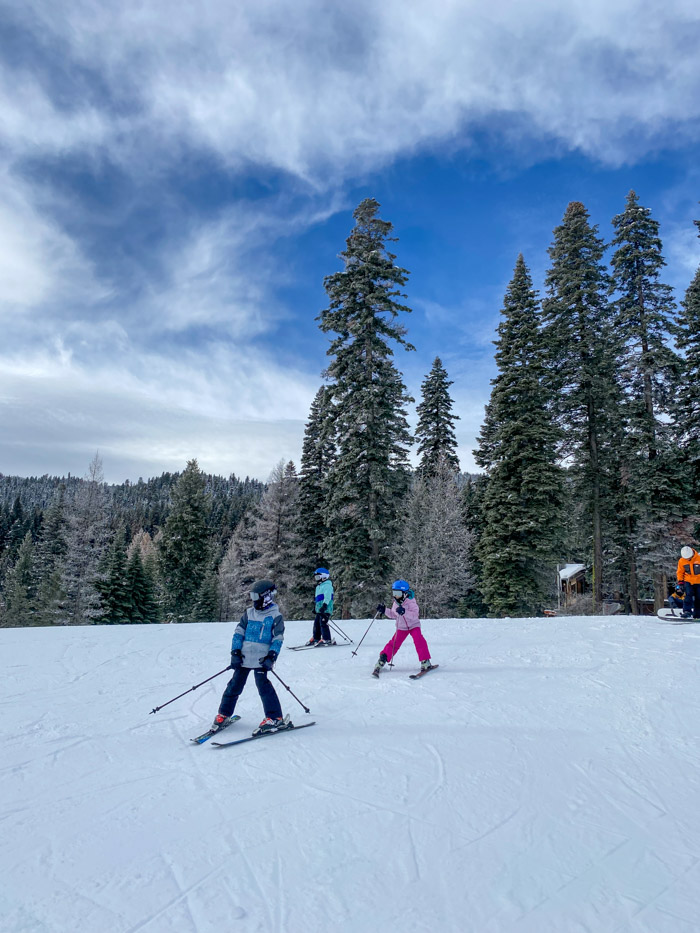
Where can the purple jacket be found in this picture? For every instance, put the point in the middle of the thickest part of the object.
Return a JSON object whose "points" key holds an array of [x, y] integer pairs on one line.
{"points": [[410, 619]]}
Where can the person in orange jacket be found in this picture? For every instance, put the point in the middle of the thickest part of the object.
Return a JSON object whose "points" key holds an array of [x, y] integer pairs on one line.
{"points": [[688, 575]]}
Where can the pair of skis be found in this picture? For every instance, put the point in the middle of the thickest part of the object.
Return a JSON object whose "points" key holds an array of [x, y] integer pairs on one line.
{"points": [[333, 644], [201, 739], [433, 667]]}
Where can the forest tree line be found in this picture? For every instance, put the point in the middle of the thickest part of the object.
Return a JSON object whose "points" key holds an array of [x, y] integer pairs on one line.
{"points": [[590, 450]]}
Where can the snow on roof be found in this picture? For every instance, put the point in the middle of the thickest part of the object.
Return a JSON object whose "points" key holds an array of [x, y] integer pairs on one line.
{"points": [[570, 570]]}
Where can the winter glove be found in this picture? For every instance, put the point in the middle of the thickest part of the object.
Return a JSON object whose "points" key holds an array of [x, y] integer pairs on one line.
{"points": [[236, 659], [400, 610], [324, 608], [381, 609], [269, 659]]}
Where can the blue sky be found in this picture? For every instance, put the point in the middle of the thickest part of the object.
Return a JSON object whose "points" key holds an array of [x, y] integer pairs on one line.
{"points": [[174, 188]]}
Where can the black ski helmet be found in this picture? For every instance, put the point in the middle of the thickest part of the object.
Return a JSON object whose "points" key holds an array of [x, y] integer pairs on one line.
{"points": [[263, 593]]}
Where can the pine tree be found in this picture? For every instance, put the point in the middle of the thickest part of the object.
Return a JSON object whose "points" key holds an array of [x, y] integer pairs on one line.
{"points": [[582, 362], [184, 545], [472, 605], [143, 607], [687, 411], [49, 555], [435, 434], [369, 479], [19, 587], [522, 513], [317, 457], [649, 370], [238, 567], [206, 607], [114, 587]]}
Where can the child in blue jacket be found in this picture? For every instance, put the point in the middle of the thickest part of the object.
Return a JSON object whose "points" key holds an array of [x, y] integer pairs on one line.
{"points": [[256, 644], [323, 607]]}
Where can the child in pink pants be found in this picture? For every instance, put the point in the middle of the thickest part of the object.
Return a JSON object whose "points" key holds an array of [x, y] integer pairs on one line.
{"points": [[406, 613]]}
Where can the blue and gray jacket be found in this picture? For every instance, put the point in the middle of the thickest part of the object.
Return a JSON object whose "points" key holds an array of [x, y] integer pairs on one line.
{"points": [[324, 594], [258, 632]]}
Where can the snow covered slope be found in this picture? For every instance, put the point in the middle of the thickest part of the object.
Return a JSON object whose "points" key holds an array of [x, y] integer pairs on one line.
{"points": [[545, 779]]}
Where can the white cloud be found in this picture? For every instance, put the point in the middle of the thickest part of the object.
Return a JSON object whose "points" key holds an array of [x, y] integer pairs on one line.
{"points": [[323, 91]]}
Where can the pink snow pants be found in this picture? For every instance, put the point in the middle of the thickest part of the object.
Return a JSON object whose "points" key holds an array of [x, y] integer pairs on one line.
{"points": [[393, 645]]}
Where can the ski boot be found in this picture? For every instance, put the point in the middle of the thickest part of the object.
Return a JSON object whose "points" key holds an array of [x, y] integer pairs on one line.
{"points": [[273, 725], [426, 665], [220, 722], [311, 641], [379, 665]]}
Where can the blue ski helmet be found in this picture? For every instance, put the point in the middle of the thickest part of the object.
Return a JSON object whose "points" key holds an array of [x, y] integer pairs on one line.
{"points": [[322, 574], [400, 589]]}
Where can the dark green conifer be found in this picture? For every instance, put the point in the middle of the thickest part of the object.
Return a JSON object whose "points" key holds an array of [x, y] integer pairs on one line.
{"points": [[648, 374], [582, 361], [19, 587], [435, 433], [687, 410], [113, 585], [522, 508], [369, 479], [184, 544]]}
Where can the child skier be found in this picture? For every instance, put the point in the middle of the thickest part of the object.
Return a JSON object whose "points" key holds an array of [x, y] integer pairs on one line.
{"points": [[256, 644], [406, 613], [675, 600], [688, 575], [323, 607]]}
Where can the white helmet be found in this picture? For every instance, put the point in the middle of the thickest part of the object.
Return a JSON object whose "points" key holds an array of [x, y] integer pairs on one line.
{"points": [[687, 552]]}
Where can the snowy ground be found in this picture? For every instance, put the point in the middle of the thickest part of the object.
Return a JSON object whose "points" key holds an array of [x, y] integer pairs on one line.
{"points": [[545, 779]]}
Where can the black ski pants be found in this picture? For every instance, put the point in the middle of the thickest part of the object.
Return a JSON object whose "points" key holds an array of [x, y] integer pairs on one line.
{"points": [[321, 626], [234, 689]]}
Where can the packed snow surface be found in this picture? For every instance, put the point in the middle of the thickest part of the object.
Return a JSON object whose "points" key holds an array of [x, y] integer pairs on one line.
{"points": [[544, 779]]}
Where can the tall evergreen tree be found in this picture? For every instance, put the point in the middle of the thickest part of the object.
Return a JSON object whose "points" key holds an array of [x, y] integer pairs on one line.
{"points": [[114, 587], [435, 433], [49, 555], [582, 361], [649, 465], [184, 545], [369, 479], [522, 514], [140, 585], [472, 605], [19, 588], [317, 457], [687, 412]]}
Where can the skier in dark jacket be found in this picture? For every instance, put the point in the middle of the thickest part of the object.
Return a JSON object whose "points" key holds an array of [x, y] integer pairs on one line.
{"points": [[256, 644]]}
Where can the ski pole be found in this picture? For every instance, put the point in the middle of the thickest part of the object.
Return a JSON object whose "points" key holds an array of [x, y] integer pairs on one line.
{"points": [[191, 689], [376, 616], [339, 630], [305, 708]]}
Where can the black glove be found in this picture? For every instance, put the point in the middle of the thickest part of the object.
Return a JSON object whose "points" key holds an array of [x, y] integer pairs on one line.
{"points": [[381, 609], [323, 608], [269, 659], [400, 610], [236, 659]]}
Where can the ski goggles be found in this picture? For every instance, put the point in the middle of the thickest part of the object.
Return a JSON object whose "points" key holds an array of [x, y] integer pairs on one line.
{"points": [[266, 597], [399, 594]]}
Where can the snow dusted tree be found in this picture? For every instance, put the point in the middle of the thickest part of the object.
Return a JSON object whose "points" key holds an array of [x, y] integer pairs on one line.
{"points": [[142, 592], [49, 555], [19, 588], [433, 544], [522, 508], [114, 588], [649, 462], [582, 361], [368, 481], [184, 545], [87, 536], [687, 410], [317, 457], [435, 433]]}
